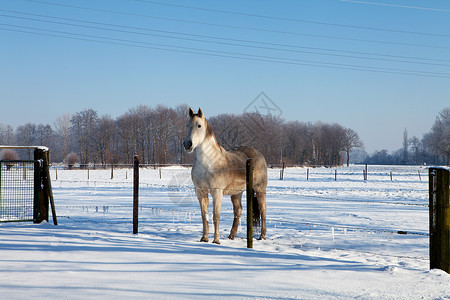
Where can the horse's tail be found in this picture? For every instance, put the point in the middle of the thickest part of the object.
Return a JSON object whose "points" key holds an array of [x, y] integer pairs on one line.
{"points": [[256, 212]]}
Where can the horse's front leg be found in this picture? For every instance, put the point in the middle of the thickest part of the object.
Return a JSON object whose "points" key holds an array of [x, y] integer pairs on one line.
{"points": [[202, 195], [217, 195]]}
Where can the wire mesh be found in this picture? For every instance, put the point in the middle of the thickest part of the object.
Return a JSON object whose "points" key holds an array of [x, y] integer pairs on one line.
{"points": [[17, 180]]}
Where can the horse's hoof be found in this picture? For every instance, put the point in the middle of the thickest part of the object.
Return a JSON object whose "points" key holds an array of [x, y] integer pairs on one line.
{"points": [[262, 237], [231, 237], [216, 242], [203, 239]]}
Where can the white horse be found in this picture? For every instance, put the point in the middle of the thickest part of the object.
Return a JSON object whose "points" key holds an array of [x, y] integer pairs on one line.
{"points": [[220, 172]]}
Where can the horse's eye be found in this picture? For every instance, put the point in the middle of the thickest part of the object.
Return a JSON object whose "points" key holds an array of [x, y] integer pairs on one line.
{"points": [[199, 126]]}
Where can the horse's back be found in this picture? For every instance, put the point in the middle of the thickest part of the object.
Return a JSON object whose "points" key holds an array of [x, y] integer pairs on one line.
{"points": [[259, 165]]}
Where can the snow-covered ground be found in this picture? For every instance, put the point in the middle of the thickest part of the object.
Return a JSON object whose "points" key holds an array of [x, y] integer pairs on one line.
{"points": [[326, 239]]}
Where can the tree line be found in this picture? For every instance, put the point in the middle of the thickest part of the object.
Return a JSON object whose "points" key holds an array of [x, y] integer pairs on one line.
{"points": [[433, 148], [156, 135]]}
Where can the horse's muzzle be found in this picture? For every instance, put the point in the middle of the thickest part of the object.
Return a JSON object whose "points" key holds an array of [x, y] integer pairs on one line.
{"points": [[187, 146]]}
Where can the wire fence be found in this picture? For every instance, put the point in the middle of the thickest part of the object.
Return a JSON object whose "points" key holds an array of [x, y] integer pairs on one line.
{"points": [[296, 218], [17, 190]]}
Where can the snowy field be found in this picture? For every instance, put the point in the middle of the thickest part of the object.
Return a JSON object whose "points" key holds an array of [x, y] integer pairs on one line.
{"points": [[326, 239]]}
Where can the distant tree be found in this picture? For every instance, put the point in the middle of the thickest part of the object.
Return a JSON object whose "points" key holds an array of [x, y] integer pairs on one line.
{"points": [[26, 134], [417, 154], [437, 141], [136, 133], [62, 126], [351, 141], [358, 155], [182, 112], [226, 128], [7, 135], [405, 147], [83, 129], [105, 134], [44, 135], [381, 157], [9, 154], [165, 129], [328, 142], [298, 147], [71, 159]]}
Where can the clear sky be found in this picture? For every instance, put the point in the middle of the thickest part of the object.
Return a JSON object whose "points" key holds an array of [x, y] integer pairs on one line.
{"points": [[376, 66]]}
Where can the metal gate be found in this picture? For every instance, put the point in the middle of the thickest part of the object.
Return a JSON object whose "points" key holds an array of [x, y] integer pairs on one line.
{"points": [[20, 185]]}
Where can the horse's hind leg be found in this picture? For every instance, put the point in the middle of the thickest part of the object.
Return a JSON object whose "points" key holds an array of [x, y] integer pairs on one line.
{"points": [[262, 209], [237, 208]]}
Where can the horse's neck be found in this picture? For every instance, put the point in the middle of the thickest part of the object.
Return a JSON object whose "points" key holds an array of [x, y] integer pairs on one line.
{"points": [[209, 152]]}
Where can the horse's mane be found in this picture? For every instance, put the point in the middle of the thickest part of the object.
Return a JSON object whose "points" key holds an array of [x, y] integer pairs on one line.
{"points": [[209, 132]]}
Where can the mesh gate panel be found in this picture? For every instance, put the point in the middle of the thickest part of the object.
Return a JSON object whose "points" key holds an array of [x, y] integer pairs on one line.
{"points": [[17, 190]]}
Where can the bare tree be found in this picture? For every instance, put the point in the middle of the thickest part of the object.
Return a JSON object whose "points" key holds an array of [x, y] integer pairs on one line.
{"points": [[298, 142], [165, 129], [438, 140], [227, 130], [417, 153], [182, 112], [62, 126], [351, 141], [8, 154], [405, 147], [83, 128], [44, 135], [133, 129], [71, 159], [6, 135], [104, 141], [26, 134]]}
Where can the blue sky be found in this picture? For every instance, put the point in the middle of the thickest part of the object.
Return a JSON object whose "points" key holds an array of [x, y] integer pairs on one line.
{"points": [[377, 67]]}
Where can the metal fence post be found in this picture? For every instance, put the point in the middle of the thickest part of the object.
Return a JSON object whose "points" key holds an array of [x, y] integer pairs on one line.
{"points": [[439, 219], [136, 195], [249, 181]]}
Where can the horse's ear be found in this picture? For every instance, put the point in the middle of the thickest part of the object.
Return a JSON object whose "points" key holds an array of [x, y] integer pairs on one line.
{"points": [[191, 112], [200, 113]]}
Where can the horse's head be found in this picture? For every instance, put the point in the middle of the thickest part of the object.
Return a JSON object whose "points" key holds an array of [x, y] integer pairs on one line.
{"points": [[197, 130]]}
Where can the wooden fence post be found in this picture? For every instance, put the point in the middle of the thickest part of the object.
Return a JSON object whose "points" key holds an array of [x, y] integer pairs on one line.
{"points": [[41, 212], [136, 194], [44, 189], [249, 181], [439, 219]]}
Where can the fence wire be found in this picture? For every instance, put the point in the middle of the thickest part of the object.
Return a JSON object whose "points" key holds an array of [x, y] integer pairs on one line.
{"points": [[166, 211], [16, 190]]}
